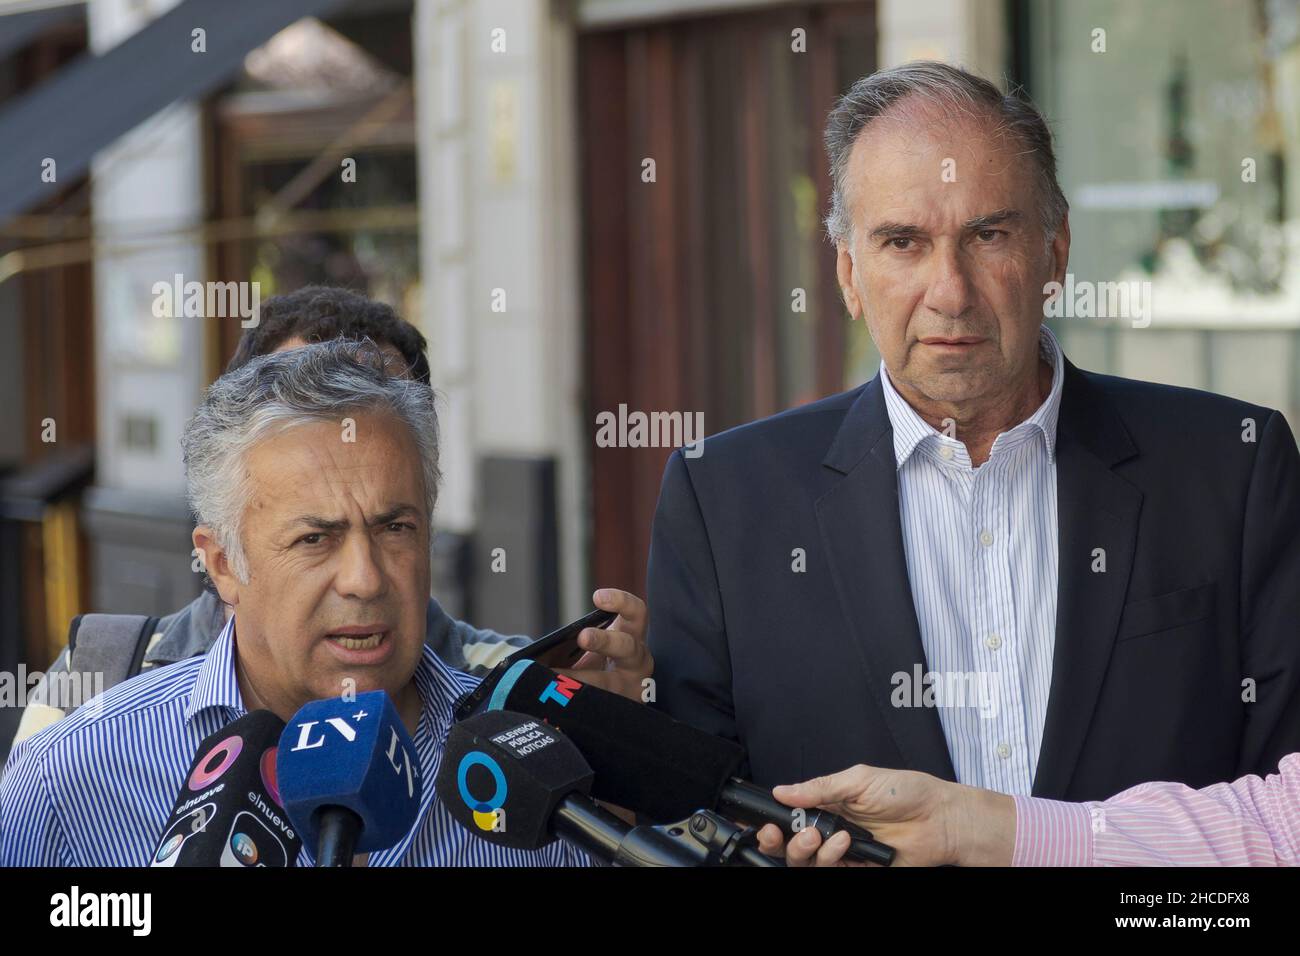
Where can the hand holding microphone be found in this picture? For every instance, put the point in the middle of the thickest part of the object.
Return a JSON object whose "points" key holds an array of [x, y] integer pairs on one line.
{"points": [[932, 822], [659, 767]]}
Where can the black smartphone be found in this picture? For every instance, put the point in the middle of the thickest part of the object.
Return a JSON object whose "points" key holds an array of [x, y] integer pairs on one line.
{"points": [[559, 649]]}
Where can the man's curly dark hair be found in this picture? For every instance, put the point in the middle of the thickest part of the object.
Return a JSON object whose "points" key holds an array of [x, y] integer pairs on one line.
{"points": [[318, 313]]}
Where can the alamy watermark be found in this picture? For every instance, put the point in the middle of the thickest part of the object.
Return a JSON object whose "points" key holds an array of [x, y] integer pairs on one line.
{"points": [[218, 300], [636, 429], [66, 690], [128, 910], [946, 689], [1098, 300]]}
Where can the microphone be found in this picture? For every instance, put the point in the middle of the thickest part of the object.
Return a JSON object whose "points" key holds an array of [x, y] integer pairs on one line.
{"points": [[657, 766], [518, 783], [229, 811], [349, 776]]}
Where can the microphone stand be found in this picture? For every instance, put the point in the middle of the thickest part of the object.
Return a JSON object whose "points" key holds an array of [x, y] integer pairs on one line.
{"points": [[705, 838]]}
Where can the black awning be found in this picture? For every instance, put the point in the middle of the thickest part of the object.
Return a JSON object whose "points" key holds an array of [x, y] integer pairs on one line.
{"points": [[19, 29], [95, 99]]}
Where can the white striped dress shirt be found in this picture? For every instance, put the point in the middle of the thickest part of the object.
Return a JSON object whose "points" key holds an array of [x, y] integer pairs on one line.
{"points": [[96, 788], [981, 549]]}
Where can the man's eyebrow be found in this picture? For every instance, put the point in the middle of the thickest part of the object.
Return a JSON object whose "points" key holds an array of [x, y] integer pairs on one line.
{"points": [[342, 524], [905, 230], [323, 524], [897, 230], [991, 219], [392, 514]]}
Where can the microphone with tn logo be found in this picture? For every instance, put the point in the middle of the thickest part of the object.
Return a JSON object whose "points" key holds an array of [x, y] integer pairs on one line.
{"points": [[350, 778]]}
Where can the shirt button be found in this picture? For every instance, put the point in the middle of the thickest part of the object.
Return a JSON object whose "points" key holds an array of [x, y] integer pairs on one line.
{"points": [[945, 452], [993, 642], [1003, 751], [986, 538]]}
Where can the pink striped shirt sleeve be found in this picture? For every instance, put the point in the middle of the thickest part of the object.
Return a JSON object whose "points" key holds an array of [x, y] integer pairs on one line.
{"points": [[1249, 822]]}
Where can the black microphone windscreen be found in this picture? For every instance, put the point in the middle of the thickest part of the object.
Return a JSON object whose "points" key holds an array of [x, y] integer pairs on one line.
{"points": [[229, 812], [503, 775], [643, 760]]}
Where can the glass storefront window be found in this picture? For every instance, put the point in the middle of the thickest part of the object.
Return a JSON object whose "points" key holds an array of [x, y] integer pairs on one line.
{"points": [[1178, 142]]}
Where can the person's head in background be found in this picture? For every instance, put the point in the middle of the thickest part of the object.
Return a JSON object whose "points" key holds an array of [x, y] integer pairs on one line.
{"points": [[318, 313]]}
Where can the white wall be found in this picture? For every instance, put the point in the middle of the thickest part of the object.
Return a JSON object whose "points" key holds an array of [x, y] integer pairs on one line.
{"points": [[144, 366], [499, 211], [969, 33]]}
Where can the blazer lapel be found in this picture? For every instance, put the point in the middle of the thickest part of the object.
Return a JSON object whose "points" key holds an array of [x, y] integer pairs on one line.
{"points": [[863, 536], [1097, 517]]}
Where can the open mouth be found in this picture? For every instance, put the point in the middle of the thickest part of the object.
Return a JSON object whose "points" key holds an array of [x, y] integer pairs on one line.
{"points": [[358, 642]]}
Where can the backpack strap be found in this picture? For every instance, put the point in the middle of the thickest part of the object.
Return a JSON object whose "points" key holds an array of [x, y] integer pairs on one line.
{"points": [[109, 644]]}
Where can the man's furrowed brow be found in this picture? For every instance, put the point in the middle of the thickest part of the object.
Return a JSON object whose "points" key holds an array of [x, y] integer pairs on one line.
{"points": [[320, 523], [897, 230], [393, 514], [989, 220], [386, 516]]}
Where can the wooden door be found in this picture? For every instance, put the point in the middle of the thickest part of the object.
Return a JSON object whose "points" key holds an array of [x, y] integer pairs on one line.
{"points": [[709, 283]]}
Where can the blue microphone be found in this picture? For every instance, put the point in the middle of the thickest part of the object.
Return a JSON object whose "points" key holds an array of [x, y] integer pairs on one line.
{"points": [[349, 776]]}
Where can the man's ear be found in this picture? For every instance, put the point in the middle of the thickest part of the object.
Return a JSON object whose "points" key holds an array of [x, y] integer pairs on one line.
{"points": [[844, 274], [216, 564], [1061, 250]]}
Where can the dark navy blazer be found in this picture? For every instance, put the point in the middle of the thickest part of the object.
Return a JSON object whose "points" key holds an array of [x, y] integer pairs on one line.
{"points": [[1181, 661]]}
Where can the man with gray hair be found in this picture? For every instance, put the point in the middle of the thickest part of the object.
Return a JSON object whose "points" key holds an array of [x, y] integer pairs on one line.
{"points": [[111, 648], [313, 475], [1116, 562]]}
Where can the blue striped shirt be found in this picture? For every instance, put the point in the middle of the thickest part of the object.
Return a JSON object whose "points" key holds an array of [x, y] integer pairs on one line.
{"points": [[981, 549], [96, 788]]}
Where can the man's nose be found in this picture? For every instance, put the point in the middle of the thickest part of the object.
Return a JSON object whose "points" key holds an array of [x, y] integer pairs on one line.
{"points": [[949, 290], [359, 574]]}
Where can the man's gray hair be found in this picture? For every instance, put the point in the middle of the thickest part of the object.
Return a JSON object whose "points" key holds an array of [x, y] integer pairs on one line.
{"points": [[956, 89], [325, 382]]}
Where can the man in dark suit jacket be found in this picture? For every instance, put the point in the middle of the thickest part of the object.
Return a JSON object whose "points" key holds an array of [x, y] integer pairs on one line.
{"points": [[1175, 653]]}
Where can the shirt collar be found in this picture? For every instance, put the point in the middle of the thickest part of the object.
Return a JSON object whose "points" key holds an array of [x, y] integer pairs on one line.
{"points": [[216, 685], [440, 687], [911, 430]]}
